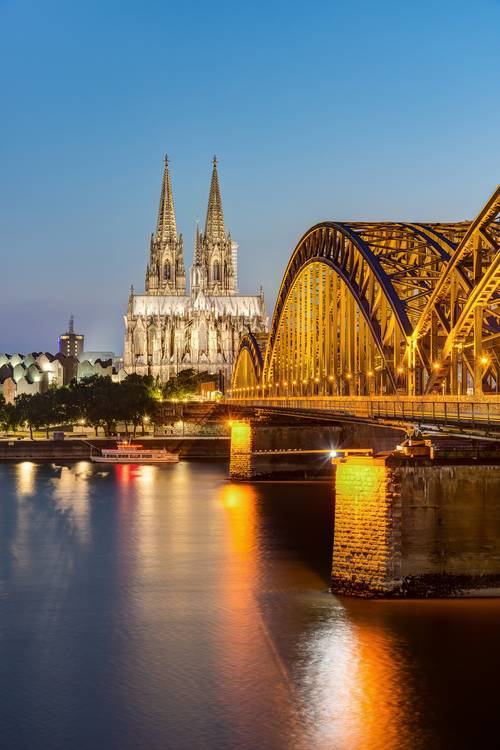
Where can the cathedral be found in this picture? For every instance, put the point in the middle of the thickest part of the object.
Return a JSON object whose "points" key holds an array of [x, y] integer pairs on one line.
{"points": [[170, 328]]}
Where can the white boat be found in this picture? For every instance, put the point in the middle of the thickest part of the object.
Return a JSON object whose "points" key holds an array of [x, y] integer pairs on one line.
{"points": [[128, 453]]}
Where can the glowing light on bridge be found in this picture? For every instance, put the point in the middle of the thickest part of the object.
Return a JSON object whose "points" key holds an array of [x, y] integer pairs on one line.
{"points": [[386, 299], [365, 546], [241, 449]]}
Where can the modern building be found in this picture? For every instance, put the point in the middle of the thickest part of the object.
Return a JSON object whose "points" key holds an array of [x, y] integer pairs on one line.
{"points": [[170, 328], [29, 373], [36, 372], [70, 343]]}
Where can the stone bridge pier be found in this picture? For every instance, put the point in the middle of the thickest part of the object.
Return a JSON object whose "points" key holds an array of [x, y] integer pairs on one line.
{"points": [[401, 529], [416, 531]]}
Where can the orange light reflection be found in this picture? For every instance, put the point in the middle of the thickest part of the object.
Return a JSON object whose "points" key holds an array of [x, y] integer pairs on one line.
{"points": [[354, 689]]}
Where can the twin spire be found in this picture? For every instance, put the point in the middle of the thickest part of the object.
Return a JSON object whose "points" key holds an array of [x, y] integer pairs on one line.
{"points": [[214, 264], [166, 227]]}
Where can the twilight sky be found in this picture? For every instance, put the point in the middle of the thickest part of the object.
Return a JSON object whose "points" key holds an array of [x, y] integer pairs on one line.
{"points": [[317, 110]]}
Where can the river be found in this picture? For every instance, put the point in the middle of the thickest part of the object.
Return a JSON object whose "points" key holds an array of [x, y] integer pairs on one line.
{"points": [[146, 608]]}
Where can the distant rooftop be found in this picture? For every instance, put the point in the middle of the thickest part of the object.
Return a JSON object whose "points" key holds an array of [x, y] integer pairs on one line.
{"points": [[92, 356]]}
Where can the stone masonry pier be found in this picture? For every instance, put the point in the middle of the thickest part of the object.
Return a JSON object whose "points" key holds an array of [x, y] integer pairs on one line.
{"points": [[416, 531], [402, 528]]}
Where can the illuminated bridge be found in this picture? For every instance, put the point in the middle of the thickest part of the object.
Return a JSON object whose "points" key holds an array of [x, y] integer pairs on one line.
{"points": [[384, 321]]}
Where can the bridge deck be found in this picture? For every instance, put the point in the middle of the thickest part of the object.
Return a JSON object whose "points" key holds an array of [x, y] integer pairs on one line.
{"points": [[462, 413]]}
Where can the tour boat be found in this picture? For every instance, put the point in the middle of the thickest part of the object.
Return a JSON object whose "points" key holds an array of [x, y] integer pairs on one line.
{"points": [[128, 453]]}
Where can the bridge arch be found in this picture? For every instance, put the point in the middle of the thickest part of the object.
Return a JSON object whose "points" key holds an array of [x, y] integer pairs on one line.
{"points": [[386, 308], [349, 294], [247, 370]]}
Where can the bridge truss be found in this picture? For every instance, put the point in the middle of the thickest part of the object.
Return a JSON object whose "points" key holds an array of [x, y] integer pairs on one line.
{"points": [[370, 308]]}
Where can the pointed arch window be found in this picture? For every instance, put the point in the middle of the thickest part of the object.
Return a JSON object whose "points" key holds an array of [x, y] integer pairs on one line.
{"points": [[166, 271], [216, 271]]}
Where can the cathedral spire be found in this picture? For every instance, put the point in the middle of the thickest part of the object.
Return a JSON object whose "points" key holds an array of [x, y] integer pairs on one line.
{"points": [[166, 228], [165, 273], [198, 249], [214, 225]]}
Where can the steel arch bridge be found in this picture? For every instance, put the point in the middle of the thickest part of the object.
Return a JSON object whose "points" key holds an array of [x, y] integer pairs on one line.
{"points": [[380, 309]]}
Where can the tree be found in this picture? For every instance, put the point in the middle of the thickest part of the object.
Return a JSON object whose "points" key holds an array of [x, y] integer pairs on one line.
{"points": [[24, 411], [185, 383], [137, 398], [100, 402], [48, 409], [4, 414]]}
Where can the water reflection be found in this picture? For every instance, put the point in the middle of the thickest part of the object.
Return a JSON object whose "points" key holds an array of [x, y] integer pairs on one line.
{"points": [[195, 614], [71, 496], [354, 686], [25, 478], [239, 503]]}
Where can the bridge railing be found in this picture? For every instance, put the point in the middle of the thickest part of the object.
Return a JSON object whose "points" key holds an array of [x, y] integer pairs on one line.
{"points": [[482, 411]]}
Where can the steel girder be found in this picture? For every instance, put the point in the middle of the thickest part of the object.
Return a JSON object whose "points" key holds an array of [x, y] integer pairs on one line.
{"points": [[391, 265], [417, 287], [468, 312]]}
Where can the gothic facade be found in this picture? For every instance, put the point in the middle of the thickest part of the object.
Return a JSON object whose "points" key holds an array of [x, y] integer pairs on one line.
{"points": [[170, 328]]}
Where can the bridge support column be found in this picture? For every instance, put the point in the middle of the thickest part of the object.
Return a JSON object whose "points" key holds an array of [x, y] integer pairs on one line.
{"points": [[367, 537], [405, 530], [240, 461]]}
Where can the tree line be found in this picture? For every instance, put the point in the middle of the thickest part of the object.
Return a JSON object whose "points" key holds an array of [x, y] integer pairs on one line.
{"points": [[97, 402]]}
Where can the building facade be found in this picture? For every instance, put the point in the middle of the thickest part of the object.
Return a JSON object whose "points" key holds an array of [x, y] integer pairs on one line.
{"points": [[36, 372], [170, 328], [71, 344]]}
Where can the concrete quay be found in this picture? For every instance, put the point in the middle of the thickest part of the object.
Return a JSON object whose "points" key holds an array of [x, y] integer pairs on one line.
{"points": [[76, 449]]}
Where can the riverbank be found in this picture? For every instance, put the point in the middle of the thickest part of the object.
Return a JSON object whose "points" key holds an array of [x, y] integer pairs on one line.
{"points": [[75, 449]]}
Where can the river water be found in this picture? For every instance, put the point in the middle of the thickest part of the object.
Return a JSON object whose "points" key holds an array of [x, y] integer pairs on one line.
{"points": [[146, 608]]}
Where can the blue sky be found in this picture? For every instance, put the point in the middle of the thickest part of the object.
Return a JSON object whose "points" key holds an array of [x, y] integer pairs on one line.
{"points": [[318, 110]]}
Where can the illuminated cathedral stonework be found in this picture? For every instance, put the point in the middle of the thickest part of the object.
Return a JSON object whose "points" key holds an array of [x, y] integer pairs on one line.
{"points": [[169, 329]]}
